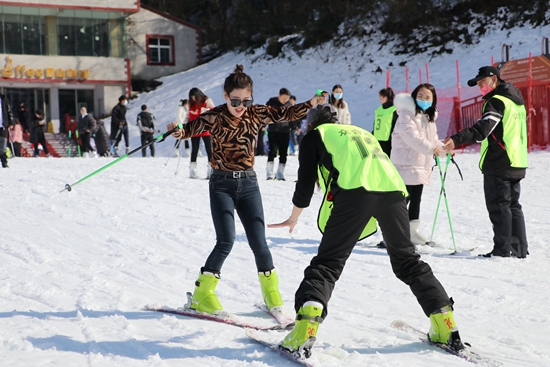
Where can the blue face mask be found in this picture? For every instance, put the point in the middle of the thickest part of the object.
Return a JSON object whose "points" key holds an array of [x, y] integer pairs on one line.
{"points": [[338, 95], [424, 105], [126, 102]]}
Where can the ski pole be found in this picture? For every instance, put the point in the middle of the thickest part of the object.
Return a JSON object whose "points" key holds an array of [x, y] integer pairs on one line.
{"points": [[70, 143], [158, 139], [12, 150], [116, 138], [442, 176], [176, 146], [179, 157], [445, 195], [78, 145]]}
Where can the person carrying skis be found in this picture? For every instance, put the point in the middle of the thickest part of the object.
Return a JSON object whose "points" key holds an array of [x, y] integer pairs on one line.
{"points": [[502, 131], [359, 183], [234, 127]]}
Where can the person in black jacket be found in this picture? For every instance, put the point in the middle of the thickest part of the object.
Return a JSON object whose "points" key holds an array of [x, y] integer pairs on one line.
{"points": [[86, 127], [6, 120], [502, 131], [118, 122], [146, 123], [278, 136], [359, 183], [23, 116], [38, 137]]}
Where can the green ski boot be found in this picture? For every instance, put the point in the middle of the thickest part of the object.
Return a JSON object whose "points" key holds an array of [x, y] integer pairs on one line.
{"points": [[269, 281], [204, 298], [301, 339], [443, 329]]}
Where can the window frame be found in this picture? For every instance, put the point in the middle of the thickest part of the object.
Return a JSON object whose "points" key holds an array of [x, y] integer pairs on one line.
{"points": [[172, 61]]}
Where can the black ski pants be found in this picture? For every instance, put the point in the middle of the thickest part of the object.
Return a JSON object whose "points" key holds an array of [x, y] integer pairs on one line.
{"points": [[351, 212], [502, 201], [414, 199], [195, 146], [86, 146], [278, 142], [146, 138]]}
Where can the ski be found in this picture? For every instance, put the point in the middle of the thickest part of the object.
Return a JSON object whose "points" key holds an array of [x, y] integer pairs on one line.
{"points": [[285, 320], [224, 317], [262, 338], [465, 354]]}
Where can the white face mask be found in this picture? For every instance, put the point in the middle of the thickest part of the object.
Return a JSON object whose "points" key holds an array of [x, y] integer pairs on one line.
{"points": [[125, 102]]}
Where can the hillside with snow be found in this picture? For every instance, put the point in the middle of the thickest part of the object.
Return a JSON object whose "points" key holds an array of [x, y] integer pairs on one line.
{"points": [[78, 267]]}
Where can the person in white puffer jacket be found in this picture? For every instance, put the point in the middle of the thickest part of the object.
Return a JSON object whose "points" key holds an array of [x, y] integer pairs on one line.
{"points": [[414, 144]]}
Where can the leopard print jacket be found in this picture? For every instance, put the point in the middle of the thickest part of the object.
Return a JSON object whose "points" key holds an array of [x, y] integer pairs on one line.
{"points": [[234, 138]]}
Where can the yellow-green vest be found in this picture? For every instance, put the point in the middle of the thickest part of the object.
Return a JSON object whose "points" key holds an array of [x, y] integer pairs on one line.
{"points": [[514, 127], [382, 123], [360, 162]]}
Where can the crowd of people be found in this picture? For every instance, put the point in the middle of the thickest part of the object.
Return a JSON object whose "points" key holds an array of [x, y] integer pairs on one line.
{"points": [[366, 177]]}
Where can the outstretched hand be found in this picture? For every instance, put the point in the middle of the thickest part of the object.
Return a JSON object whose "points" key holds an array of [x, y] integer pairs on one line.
{"points": [[287, 223]]}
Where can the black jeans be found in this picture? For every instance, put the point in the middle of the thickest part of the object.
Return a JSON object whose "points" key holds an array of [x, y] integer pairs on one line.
{"points": [[195, 145], [146, 138], [85, 139], [502, 201], [351, 212], [40, 139], [123, 132], [260, 150], [243, 195], [415, 196], [278, 141]]}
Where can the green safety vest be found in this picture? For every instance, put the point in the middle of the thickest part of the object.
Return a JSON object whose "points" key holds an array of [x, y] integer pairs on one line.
{"points": [[514, 127], [359, 162], [382, 123]]}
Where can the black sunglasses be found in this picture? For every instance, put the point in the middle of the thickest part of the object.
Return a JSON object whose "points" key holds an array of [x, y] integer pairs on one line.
{"points": [[237, 102]]}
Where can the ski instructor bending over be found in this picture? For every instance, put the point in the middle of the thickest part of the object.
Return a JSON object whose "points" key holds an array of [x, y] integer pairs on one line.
{"points": [[233, 127], [362, 183]]}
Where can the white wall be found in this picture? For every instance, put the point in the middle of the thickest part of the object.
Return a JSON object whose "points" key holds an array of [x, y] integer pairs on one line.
{"points": [[145, 22], [110, 95]]}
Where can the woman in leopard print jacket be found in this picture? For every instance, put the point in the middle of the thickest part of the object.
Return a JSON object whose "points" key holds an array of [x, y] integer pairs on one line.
{"points": [[234, 127]]}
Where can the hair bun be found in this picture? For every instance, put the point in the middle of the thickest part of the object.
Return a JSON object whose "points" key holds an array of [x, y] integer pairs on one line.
{"points": [[238, 69]]}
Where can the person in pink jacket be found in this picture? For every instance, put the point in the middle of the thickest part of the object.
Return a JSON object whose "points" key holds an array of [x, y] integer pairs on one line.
{"points": [[16, 138], [414, 144]]}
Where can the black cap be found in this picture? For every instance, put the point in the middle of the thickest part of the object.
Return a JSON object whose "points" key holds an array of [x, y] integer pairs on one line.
{"points": [[316, 112], [484, 72]]}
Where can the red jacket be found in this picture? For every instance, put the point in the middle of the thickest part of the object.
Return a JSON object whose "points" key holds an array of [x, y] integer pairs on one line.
{"points": [[195, 112]]}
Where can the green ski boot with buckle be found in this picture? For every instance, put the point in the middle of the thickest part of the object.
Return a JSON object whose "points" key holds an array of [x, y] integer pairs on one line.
{"points": [[443, 329], [301, 339], [204, 298], [269, 282]]}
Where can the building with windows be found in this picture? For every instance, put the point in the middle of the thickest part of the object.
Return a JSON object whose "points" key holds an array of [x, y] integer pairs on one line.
{"points": [[60, 55]]}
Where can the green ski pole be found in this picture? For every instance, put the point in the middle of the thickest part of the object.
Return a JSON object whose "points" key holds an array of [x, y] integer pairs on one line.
{"points": [[78, 145], [70, 143], [437, 163], [445, 197], [158, 139]]}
